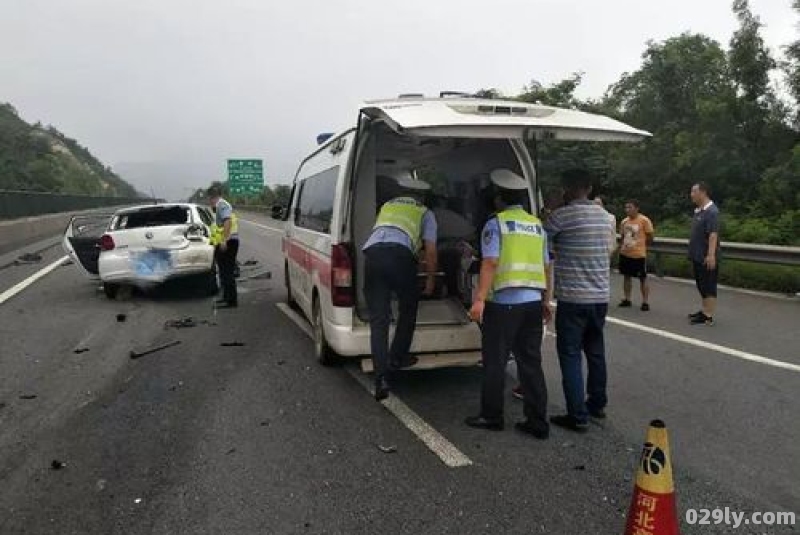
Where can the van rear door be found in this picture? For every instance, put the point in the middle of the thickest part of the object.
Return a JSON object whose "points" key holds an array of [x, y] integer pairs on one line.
{"points": [[476, 118]]}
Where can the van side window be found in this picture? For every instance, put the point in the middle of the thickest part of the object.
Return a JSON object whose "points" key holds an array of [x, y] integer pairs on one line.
{"points": [[315, 205]]}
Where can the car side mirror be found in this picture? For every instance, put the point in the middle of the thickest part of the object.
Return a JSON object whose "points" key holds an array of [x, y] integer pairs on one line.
{"points": [[277, 212]]}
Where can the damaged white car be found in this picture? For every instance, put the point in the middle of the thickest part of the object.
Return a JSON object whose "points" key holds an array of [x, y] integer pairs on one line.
{"points": [[144, 246]]}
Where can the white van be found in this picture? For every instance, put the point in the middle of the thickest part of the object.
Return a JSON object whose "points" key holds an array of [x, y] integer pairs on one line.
{"points": [[453, 144]]}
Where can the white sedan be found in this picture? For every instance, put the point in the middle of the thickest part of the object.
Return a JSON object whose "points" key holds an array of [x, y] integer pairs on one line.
{"points": [[144, 245]]}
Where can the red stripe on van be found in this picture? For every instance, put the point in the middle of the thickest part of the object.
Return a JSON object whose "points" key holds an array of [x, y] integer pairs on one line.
{"points": [[309, 261]]}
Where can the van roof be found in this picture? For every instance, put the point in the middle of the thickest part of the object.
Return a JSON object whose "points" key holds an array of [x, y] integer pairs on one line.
{"points": [[473, 117]]}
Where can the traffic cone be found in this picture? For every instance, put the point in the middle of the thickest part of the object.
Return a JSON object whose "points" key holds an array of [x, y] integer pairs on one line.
{"points": [[653, 510]]}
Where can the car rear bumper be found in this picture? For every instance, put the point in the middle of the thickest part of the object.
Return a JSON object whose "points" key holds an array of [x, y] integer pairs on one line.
{"points": [[128, 266]]}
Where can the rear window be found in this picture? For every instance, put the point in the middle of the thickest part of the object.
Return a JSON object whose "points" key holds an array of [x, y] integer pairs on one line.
{"points": [[152, 217], [206, 216]]}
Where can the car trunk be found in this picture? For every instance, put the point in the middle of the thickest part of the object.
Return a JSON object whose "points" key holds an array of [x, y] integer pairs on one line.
{"points": [[152, 228]]}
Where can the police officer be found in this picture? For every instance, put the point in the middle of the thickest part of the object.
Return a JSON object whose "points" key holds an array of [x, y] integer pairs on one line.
{"points": [[225, 236], [404, 229], [512, 304]]}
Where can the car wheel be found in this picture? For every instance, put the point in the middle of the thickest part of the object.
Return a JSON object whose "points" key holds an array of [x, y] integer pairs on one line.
{"points": [[322, 351], [110, 290]]}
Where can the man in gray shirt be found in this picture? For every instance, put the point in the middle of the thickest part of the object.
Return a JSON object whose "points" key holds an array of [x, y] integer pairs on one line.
{"points": [[704, 252]]}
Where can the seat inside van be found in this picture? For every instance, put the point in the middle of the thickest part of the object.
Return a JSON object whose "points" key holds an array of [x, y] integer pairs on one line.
{"points": [[458, 171]]}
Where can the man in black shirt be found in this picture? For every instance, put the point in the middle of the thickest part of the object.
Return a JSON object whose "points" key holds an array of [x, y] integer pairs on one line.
{"points": [[704, 252]]}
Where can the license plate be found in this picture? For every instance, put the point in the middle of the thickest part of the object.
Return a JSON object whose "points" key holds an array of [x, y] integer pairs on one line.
{"points": [[152, 263]]}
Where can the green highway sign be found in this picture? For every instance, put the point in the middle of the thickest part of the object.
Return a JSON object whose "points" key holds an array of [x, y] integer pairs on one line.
{"points": [[245, 177]]}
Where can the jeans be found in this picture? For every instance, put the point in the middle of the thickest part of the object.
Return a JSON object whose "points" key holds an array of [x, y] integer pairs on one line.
{"points": [[579, 328], [390, 269], [226, 263], [516, 328]]}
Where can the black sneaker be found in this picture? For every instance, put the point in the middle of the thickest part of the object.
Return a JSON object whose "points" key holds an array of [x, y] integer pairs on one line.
{"points": [[696, 314], [479, 422], [597, 414], [702, 319], [625, 303], [645, 307], [542, 433], [569, 422]]}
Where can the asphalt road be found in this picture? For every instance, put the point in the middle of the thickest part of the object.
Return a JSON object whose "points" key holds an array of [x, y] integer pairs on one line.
{"points": [[204, 439]]}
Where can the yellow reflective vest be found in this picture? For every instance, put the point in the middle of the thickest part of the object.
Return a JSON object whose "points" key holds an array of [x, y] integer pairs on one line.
{"points": [[521, 263], [405, 214]]}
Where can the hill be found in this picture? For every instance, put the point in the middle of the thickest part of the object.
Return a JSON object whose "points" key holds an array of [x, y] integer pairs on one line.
{"points": [[40, 158]]}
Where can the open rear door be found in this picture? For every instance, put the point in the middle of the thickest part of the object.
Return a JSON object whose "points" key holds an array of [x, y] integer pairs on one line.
{"points": [[82, 240], [467, 117]]}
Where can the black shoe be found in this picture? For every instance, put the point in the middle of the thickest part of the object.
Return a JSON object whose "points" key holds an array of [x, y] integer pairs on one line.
{"points": [[569, 422], [225, 304], [381, 389], [542, 433], [702, 319], [625, 303], [479, 422], [598, 414], [645, 307], [404, 363], [221, 302], [696, 314]]}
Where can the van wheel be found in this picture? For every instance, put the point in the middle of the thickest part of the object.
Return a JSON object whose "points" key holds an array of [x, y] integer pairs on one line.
{"points": [[289, 299], [110, 290], [322, 351]]}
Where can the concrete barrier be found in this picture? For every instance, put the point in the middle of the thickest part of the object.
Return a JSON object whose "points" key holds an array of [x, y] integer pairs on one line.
{"points": [[16, 233]]}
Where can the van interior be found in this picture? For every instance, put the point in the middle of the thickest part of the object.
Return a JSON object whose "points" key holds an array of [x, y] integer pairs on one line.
{"points": [[461, 198]]}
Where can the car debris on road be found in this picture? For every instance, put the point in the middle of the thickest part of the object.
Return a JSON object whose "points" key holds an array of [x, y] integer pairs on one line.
{"points": [[136, 355]]}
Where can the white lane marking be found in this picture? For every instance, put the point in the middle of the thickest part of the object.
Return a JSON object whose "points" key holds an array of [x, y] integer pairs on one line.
{"points": [[435, 441], [17, 288], [265, 227], [744, 355]]}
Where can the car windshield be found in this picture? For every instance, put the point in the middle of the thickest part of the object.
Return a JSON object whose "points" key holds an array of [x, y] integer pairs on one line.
{"points": [[152, 217]]}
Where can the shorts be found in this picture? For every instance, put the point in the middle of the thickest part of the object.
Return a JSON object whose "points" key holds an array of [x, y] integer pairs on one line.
{"points": [[633, 267], [706, 279]]}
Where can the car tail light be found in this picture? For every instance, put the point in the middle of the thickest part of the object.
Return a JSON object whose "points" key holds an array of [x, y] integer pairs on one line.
{"points": [[342, 294], [107, 243], [196, 233]]}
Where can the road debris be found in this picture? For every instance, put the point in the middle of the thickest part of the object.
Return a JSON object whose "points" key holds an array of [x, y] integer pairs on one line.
{"points": [[121, 318], [265, 423], [100, 485], [267, 275], [232, 344], [580, 467], [28, 396], [387, 449], [137, 501], [136, 355], [251, 262], [30, 258], [231, 451], [281, 362], [2, 406], [80, 350], [57, 465], [185, 323]]}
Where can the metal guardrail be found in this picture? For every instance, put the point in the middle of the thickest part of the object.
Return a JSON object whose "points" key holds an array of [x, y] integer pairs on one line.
{"points": [[17, 204], [748, 252]]}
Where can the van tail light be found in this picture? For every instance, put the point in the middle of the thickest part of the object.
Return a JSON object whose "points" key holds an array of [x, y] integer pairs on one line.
{"points": [[342, 294], [107, 243]]}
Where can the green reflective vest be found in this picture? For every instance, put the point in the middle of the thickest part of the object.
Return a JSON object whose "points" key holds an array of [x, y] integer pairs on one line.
{"points": [[521, 263], [405, 214]]}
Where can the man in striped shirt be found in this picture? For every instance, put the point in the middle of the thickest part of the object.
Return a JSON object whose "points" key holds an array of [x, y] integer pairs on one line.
{"points": [[579, 234]]}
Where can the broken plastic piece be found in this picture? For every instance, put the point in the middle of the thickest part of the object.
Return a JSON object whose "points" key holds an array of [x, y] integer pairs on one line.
{"points": [[57, 465], [387, 449], [80, 350], [28, 396], [136, 355], [232, 344], [121, 317]]}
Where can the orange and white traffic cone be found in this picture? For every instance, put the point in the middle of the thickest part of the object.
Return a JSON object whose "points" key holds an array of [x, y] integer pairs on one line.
{"points": [[653, 510]]}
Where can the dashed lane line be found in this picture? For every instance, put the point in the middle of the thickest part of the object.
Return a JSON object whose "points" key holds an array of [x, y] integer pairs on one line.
{"points": [[17, 288]]}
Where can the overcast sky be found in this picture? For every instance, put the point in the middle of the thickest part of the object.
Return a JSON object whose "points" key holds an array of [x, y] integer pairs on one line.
{"points": [[200, 81]]}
